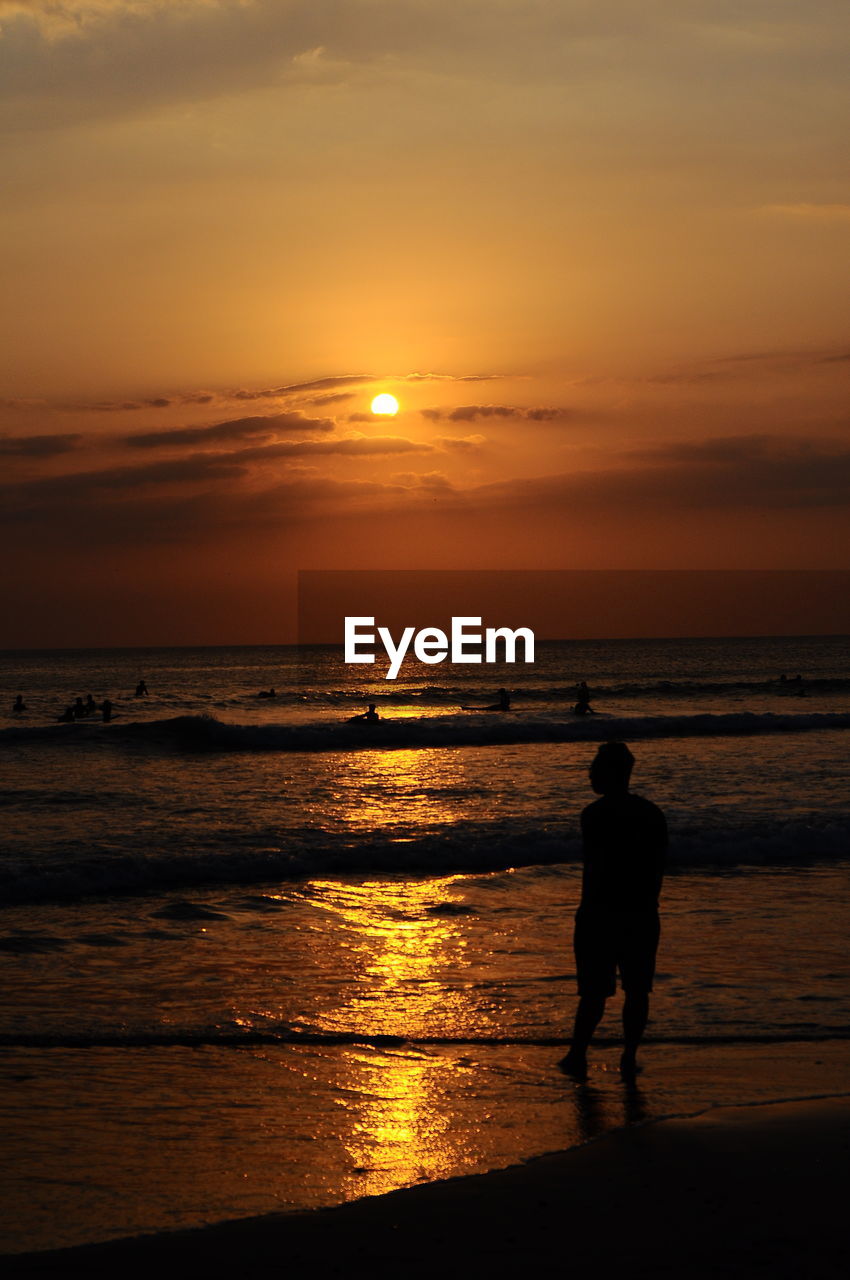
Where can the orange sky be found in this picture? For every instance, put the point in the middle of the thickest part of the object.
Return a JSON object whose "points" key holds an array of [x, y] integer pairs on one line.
{"points": [[598, 251]]}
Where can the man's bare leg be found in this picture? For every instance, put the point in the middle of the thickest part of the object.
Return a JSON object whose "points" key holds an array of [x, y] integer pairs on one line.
{"points": [[588, 1016], [635, 1015]]}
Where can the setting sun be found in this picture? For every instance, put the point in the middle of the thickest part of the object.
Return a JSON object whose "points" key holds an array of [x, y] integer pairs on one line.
{"points": [[385, 404]]}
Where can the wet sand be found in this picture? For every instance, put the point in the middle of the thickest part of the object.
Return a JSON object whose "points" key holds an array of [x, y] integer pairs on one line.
{"points": [[736, 1191]]}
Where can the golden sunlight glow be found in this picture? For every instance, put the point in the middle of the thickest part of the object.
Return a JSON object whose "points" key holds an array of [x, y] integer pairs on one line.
{"points": [[385, 404], [410, 965]]}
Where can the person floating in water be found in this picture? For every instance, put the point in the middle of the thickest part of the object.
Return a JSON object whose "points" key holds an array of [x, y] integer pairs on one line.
{"points": [[624, 840], [19, 705], [141, 690], [368, 717], [267, 693], [582, 706], [504, 703]]}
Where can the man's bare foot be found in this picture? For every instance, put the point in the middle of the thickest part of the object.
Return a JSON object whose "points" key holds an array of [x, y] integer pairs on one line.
{"points": [[629, 1068], [575, 1065]]}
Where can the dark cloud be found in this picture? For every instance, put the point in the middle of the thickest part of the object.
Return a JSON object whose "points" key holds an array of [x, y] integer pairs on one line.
{"points": [[738, 450], [202, 495], [777, 361], [38, 446], [157, 518], [452, 377], [116, 406], [335, 398], [80, 486], [471, 412], [685, 378], [68, 62], [842, 357], [461, 444], [297, 388], [435, 482], [352, 446], [734, 473], [234, 429], [356, 379], [327, 387], [197, 468], [733, 367]]}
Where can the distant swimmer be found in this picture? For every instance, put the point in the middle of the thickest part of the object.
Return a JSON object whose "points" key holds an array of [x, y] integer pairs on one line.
{"points": [[68, 716], [79, 708], [141, 690], [91, 705], [582, 706], [797, 682], [19, 705], [504, 703], [368, 717], [583, 700], [267, 693], [106, 708]]}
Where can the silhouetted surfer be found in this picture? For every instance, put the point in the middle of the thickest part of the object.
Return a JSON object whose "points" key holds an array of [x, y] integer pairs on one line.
{"points": [[624, 841], [19, 705], [141, 690], [368, 717], [504, 703], [106, 708], [582, 706], [267, 693]]}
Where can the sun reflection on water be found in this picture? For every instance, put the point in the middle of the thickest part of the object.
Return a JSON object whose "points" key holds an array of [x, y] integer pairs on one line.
{"points": [[404, 943], [386, 789], [408, 949], [399, 1129]]}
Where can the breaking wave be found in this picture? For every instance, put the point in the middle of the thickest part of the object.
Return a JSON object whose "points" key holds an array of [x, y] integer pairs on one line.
{"points": [[465, 847], [206, 733]]}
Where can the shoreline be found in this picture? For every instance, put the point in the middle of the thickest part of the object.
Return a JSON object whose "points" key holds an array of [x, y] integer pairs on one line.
{"points": [[144, 1180], [745, 1190]]}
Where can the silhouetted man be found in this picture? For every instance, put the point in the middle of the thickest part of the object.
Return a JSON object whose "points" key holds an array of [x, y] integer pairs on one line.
{"points": [[368, 717], [616, 927]]}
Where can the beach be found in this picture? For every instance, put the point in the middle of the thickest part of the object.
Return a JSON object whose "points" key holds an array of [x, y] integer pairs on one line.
{"points": [[736, 1191], [256, 967]]}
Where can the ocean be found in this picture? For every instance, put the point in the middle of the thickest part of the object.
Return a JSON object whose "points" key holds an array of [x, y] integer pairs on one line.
{"points": [[259, 958]]}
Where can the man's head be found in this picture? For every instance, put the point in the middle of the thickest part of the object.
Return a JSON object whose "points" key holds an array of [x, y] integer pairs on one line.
{"points": [[611, 768]]}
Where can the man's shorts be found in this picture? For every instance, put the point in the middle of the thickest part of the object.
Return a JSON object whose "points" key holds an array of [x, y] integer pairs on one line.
{"points": [[606, 941]]}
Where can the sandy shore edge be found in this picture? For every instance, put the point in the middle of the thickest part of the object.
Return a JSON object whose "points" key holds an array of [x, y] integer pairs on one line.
{"points": [[756, 1190]]}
